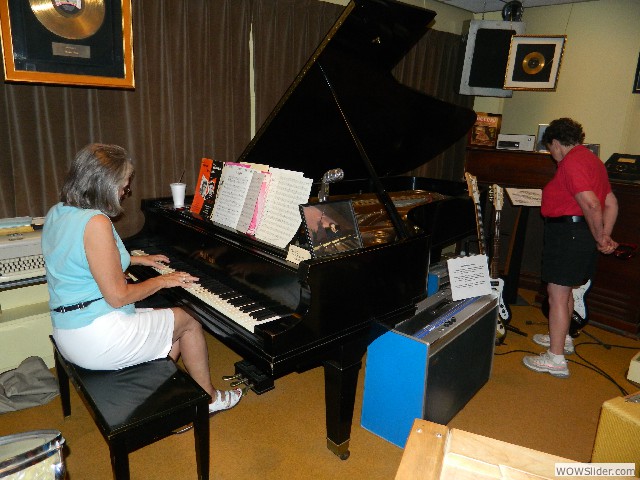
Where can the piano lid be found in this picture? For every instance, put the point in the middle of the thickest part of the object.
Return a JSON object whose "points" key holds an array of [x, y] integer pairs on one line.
{"points": [[348, 82]]}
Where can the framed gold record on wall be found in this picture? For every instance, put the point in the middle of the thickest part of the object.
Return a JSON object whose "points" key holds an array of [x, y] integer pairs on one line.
{"points": [[534, 62], [68, 42]]}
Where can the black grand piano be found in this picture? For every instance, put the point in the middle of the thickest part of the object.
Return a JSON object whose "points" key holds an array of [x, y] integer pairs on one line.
{"points": [[344, 110]]}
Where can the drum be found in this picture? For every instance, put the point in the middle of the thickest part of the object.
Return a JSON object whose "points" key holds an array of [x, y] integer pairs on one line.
{"points": [[34, 455]]}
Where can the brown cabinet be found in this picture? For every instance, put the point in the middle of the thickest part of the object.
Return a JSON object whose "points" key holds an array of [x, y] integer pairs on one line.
{"points": [[614, 298]]}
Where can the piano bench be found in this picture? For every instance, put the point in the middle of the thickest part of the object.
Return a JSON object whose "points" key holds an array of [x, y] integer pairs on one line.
{"points": [[138, 405]]}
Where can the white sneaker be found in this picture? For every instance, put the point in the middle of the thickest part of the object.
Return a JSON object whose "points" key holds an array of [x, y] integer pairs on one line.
{"points": [[544, 363], [545, 341], [225, 400]]}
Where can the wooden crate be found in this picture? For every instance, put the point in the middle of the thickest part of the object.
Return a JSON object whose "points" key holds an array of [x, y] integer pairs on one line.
{"points": [[435, 452]]}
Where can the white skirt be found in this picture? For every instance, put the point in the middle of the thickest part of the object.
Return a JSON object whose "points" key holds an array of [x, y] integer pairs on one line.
{"points": [[118, 340]]}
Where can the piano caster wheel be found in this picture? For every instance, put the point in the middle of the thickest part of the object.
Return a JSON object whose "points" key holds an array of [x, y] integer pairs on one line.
{"points": [[344, 456]]}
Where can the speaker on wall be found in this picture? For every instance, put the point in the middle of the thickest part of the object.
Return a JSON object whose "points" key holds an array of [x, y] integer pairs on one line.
{"points": [[486, 56]]}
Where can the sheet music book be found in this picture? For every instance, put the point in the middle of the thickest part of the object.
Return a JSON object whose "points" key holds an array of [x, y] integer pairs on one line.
{"points": [[202, 185], [281, 216], [235, 182], [263, 203], [212, 189], [250, 201]]}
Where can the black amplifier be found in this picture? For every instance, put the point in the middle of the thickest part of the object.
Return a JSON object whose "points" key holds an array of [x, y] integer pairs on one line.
{"points": [[624, 167]]}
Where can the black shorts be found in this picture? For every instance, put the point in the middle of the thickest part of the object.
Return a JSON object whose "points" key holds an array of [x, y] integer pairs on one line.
{"points": [[569, 254]]}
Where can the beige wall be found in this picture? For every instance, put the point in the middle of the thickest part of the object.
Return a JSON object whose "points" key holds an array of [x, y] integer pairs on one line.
{"points": [[596, 75]]}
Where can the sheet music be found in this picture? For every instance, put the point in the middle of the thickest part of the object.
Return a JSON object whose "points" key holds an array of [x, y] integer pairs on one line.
{"points": [[281, 217], [250, 201], [469, 277], [527, 197], [235, 181]]}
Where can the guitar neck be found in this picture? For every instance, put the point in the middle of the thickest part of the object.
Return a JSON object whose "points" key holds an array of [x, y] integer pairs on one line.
{"points": [[481, 241], [495, 257]]}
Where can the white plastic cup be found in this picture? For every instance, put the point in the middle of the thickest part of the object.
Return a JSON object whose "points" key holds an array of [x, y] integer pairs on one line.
{"points": [[177, 192]]}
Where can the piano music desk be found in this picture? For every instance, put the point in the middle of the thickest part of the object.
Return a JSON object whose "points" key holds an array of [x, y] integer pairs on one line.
{"points": [[25, 325]]}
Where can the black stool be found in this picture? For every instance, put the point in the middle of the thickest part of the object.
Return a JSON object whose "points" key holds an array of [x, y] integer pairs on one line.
{"points": [[139, 405]]}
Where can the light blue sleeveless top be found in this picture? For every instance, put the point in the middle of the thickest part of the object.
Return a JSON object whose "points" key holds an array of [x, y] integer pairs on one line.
{"points": [[69, 279]]}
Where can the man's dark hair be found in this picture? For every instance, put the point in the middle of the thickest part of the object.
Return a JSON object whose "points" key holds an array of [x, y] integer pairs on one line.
{"points": [[567, 131]]}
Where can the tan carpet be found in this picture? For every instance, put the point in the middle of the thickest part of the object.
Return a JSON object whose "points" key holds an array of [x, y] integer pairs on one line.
{"points": [[280, 435]]}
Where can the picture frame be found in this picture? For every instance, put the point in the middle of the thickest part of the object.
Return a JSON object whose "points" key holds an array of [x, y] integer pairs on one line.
{"points": [[68, 42], [534, 62], [636, 80], [331, 227], [539, 146], [594, 147], [485, 130]]}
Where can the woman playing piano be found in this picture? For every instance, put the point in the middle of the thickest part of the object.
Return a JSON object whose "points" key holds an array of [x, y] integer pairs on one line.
{"points": [[95, 322]]}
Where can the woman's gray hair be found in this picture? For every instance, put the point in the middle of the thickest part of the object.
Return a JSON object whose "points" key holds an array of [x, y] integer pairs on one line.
{"points": [[96, 177]]}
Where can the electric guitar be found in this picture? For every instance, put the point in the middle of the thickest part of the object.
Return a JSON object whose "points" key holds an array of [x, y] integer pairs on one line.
{"points": [[496, 195], [474, 193]]}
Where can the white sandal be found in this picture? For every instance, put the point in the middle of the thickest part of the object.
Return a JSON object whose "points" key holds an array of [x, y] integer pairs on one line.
{"points": [[225, 400]]}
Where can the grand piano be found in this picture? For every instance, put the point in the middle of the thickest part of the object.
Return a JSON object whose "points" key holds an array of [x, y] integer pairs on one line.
{"points": [[344, 110]]}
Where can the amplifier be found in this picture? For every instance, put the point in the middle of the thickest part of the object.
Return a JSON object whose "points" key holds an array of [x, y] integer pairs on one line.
{"points": [[438, 359], [624, 167], [618, 431], [525, 143]]}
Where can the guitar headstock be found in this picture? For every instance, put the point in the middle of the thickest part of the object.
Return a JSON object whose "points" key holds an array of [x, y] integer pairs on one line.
{"points": [[496, 195], [472, 186]]}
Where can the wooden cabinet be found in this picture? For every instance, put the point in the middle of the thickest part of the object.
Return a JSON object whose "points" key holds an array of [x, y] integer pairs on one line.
{"points": [[614, 298]]}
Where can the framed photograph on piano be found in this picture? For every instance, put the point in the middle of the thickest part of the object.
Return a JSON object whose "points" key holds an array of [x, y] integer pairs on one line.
{"points": [[485, 130], [331, 227]]}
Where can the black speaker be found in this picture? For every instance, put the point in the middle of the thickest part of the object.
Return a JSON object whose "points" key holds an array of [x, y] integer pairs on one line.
{"points": [[486, 56]]}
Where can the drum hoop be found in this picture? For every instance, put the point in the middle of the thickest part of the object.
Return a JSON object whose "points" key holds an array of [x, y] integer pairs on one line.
{"points": [[33, 456]]}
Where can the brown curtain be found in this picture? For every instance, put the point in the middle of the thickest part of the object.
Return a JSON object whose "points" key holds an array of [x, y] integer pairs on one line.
{"points": [[191, 100], [432, 66], [286, 33]]}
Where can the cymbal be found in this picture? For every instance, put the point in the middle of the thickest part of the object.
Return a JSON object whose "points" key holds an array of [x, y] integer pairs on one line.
{"points": [[71, 19]]}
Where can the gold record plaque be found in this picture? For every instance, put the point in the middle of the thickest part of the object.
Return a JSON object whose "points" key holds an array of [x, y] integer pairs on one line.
{"points": [[534, 62], [68, 42], [71, 19]]}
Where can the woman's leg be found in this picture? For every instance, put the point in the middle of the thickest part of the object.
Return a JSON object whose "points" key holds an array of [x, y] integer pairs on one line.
{"points": [[560, 307], [189, 341]]}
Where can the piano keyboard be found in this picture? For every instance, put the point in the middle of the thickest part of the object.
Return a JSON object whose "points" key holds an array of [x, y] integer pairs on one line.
{"points": [[21, 268], [234, 305]]}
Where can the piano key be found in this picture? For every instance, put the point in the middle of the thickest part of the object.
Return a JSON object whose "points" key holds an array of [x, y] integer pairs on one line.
{"points": [[226, 303]]}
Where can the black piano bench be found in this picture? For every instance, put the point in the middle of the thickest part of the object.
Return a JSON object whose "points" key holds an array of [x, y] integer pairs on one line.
{"points": [[139, 405]]}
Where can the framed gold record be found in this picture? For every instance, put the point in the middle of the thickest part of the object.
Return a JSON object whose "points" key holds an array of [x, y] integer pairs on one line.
{"points": [[68, 42], [534, 62]]}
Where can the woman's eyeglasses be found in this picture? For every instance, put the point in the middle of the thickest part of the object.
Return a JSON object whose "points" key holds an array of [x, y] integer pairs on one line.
{"points": [[625, 251]]}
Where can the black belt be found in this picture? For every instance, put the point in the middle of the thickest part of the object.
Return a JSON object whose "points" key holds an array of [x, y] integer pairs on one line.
{"points": [[77, 306], [565, 219]]}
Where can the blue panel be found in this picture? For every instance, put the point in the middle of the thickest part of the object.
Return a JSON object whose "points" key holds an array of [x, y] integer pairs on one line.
{"points": [[394, 386]]}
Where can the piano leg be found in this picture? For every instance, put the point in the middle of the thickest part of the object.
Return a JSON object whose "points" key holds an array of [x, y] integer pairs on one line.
{"points": [[340, 382]]}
